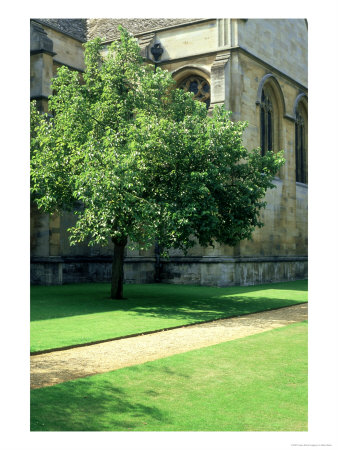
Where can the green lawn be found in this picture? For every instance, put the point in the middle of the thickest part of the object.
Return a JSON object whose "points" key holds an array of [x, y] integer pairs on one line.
{"points": [[257, 383], [79, 313]]}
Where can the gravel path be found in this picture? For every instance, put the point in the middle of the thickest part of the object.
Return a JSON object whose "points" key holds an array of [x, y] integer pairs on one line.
{"points": [[53, 368]]}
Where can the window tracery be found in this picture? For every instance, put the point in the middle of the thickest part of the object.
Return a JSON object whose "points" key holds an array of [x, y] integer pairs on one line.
{"points": [[198, 86]]}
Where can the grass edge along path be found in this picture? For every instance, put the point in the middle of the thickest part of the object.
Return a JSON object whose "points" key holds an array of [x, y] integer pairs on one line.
{"points": [[256, 383], [86, 344], [75, 315]]}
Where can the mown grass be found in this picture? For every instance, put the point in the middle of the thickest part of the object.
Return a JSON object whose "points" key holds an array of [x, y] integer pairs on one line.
{"points": [[257, 383], [81, 313]]}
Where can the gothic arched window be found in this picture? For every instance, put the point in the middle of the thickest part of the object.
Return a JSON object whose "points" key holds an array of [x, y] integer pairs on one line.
{"points": [[266, 122], [301, 144], [198, 86]]}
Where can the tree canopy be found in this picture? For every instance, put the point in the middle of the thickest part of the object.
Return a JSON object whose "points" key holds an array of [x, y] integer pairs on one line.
{"points": [[137, 159]]}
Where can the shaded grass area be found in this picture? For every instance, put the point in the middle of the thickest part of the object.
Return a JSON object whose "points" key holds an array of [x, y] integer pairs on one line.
{"points": [[76, 314], [257, 383]]}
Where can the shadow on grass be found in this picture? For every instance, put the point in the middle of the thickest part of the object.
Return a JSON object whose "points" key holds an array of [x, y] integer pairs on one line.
{"points": [[199, 311], [86, 406], [163, 300]]}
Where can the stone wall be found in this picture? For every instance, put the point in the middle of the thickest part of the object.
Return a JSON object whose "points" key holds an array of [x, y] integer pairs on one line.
{"points": [[233, 271], [279, 42], [285, 217], [65, 270], [69, 51], [209, 271]]}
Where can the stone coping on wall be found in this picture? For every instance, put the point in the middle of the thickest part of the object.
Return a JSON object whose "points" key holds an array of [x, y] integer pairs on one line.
{"points": [[236, 259], [85, 259], [173, 259]]}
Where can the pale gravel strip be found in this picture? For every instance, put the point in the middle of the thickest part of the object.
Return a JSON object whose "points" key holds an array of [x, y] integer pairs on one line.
{"points": [[53, 368]]}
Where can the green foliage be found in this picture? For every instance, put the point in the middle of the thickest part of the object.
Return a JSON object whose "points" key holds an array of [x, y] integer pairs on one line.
{"points": [[136, 158]]}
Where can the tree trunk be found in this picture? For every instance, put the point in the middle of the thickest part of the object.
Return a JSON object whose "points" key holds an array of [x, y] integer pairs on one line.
{"points": [[116, 291]]}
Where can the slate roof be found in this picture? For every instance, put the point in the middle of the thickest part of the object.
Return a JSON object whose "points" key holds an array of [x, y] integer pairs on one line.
{"points": [[76, 28]]}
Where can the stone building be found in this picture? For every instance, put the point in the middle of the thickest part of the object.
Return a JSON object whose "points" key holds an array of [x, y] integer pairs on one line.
{"points": [[257, 68]]}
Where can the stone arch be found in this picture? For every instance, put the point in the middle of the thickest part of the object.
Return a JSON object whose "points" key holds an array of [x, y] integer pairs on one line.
{"points": [[301, 98], [194, 79], [271, 80], [188, 70]]}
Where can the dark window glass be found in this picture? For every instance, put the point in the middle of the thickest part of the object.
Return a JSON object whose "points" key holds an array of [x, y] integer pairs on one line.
{"points": [[269, 130], [266, 123], [300, 149], [263, 148], [206, 87], [193, 87]]}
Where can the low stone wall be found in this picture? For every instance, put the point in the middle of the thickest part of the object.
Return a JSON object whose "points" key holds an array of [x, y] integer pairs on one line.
{"points": [[65, 270], [234, 271], [205, 271]]}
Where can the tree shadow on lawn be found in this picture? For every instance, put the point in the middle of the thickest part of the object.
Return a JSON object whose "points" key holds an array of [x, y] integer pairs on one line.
{"points": [[199, 311], [92, 404], [163, 300]]}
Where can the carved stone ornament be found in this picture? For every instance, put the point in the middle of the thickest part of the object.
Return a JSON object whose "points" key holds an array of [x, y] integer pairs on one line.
{"points": [[156, 51]]}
